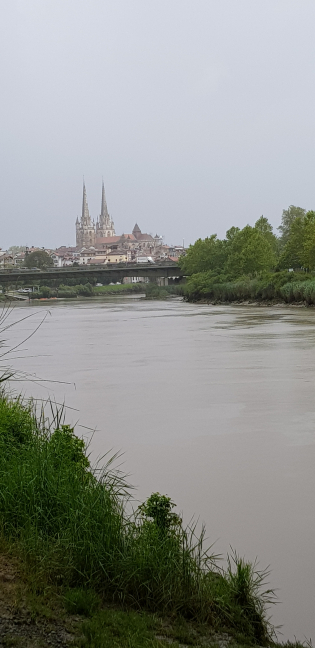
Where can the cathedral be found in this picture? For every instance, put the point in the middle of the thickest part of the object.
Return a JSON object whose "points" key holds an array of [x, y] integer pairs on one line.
{"points": [[87, 231]]}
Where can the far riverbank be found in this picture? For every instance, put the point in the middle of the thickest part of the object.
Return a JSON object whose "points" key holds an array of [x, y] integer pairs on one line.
{"points": [[147, 290], [268, 288]]}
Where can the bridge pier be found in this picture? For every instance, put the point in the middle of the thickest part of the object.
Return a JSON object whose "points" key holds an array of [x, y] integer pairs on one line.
{"points": [[162, 281]]}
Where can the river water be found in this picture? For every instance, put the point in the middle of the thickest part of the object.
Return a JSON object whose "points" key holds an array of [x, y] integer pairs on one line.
{"points": [[212, 405]]}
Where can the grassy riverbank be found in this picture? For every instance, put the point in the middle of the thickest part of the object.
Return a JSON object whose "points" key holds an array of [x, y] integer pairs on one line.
{"points": [[151, 291], [285, 287], [85, 290], [279, 287], [119, 289], [71, 526]]}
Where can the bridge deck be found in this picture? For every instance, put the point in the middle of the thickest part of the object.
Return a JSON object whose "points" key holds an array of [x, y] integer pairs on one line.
{"points": [[111, 272]]}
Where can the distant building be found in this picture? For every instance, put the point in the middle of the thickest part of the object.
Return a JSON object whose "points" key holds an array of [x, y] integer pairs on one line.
{"points": [[98, 242], [145, 240], [6, 259], [117, 256], [86, 230]]}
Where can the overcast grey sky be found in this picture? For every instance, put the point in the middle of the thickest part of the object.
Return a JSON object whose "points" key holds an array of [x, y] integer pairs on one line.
{"points": [[198, 113]]}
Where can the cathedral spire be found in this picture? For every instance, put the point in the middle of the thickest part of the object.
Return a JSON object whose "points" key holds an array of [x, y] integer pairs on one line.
{"points": [[104, 210], [85, 207]]}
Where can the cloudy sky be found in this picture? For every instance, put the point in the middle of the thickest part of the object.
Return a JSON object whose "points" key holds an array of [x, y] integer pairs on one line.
{"points": [[199, 114]]}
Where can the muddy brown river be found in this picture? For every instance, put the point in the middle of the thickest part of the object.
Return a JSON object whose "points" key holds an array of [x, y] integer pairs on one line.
{"points": [[214, 406]]}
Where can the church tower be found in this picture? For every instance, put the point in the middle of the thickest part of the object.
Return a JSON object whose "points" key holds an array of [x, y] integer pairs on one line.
{"points": [[85, 227], [104, 225]]}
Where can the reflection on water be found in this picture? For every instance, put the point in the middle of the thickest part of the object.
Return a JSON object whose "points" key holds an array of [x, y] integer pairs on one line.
{"points": [[211, 405]]}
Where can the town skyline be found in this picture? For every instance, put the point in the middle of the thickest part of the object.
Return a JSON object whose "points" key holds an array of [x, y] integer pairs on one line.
{"points": [[191, 133], [96, 242]]}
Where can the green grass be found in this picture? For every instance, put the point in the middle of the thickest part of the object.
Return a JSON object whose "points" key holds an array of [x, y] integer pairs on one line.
{"points": [[119, 289], [71, 524], [112, 628], [121, 629], [81, 601]]}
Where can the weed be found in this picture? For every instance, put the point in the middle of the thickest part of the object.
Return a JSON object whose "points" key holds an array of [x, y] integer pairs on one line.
{"points": [[81, 601]]}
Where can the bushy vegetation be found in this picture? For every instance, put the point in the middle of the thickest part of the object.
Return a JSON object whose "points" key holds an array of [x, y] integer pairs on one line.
{"points": [[85, 290], [153, 291], [38, 259], [71, 523], [45, 292], [289, 287], [253, 263]]}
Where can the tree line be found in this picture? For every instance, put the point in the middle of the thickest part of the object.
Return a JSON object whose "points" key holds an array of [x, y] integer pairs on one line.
{"points": [[253, 250]]}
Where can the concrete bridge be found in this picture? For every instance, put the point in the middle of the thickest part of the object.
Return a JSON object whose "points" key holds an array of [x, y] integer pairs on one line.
{"points": [[158, 273]]}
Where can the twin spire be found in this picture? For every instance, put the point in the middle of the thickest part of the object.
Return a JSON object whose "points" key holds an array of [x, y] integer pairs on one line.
{"points": [[87, 231], [104, 216], [85, 208]]}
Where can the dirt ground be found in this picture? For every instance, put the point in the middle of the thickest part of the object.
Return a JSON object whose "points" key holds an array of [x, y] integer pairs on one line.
{"points": [[24, 619]]}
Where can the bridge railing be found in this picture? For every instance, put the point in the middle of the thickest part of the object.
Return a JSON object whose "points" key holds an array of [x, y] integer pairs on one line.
{"points": [[87, 268]]}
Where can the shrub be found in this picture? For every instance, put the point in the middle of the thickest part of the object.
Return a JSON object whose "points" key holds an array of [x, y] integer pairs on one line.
{"points": [[158, 509], [84, 290], [45, 291], [153, 291], [17, 423]]}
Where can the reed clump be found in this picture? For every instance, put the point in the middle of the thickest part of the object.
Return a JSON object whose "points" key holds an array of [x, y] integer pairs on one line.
{"points": [[72, 522], [288, 287], [299, 292]]}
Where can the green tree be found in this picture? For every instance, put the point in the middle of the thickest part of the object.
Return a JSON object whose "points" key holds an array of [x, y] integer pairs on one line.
{"points": [[288, 217], [205, 254], [308, 254], [293, 251], [16, 249], [38, 259], [263, 226], [250, 252], [231, 233]]}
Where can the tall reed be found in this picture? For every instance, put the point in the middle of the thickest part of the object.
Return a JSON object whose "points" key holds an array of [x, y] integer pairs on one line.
{"points": [[281, 286]]}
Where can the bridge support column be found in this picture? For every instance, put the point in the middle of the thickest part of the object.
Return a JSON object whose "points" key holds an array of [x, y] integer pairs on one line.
{"points": [[162, 281]]}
